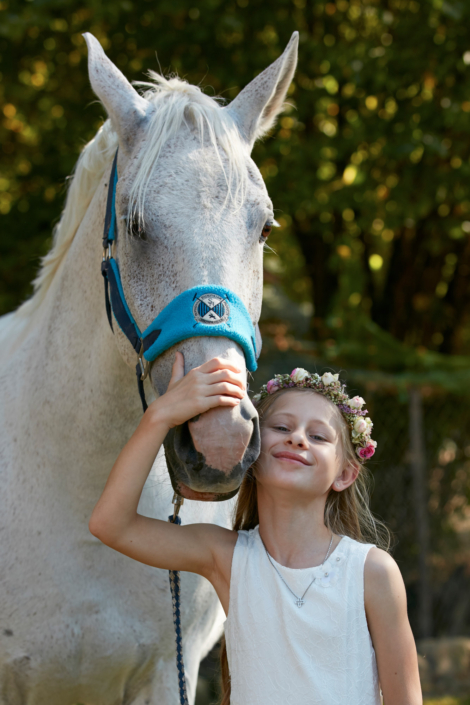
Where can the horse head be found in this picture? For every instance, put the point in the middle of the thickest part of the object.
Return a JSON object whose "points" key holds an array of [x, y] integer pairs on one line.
{"points": [[192, 210]]}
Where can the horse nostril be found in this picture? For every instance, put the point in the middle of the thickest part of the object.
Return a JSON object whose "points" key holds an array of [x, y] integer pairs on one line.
{"points": [[222, 436]]}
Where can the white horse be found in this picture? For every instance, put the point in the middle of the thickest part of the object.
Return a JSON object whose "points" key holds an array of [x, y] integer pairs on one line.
{"points": [[80, 623]]}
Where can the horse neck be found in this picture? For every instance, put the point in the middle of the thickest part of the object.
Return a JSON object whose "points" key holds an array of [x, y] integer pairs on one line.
{"points": [[89, 397]]}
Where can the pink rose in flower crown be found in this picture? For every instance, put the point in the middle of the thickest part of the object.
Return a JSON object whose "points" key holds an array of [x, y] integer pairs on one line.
{"points": [[366, 452], [272, 386]]}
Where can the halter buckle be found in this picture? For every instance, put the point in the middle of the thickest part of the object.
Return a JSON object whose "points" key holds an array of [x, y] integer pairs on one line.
{"points": [[177, 501], [143, 363], [109, 251]]}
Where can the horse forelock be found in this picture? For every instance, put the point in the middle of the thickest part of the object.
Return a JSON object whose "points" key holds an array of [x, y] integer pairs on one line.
{"points": [[179, 104], [176, 104]]}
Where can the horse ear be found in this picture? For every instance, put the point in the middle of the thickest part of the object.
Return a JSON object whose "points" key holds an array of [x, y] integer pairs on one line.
{"points": [[256, 107], [126, 108]]}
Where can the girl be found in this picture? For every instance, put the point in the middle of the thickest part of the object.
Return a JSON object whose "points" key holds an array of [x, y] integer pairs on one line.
{"points": [[314, 613]]}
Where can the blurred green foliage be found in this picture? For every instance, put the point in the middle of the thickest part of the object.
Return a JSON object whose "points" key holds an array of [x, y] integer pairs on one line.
{"points": [[368, 168]]}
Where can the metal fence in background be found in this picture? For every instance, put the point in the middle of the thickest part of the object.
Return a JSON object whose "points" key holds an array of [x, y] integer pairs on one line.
{"points": [[421, 490]]}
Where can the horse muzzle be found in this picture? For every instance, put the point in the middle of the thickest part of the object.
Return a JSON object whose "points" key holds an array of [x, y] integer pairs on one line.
{"points": [[207, 458]]}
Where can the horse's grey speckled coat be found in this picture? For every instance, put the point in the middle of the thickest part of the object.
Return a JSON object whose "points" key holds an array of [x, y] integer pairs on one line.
{"points": [[80, 623]]}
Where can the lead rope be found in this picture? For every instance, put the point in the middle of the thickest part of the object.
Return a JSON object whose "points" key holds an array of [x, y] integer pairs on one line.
{"points": [[116, 305], [175, 587]]}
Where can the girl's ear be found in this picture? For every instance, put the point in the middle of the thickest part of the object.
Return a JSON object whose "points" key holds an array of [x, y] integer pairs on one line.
{"points": [[346, 478]]}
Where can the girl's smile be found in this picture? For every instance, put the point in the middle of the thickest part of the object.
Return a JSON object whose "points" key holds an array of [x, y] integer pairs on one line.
{"points": [[291, 457]]}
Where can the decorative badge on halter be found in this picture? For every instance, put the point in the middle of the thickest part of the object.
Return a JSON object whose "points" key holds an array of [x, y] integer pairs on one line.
{"points": [[206, 310], [329, 385]]}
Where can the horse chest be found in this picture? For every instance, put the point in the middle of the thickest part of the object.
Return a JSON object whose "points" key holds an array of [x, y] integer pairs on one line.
{"points": [[71, 633]]}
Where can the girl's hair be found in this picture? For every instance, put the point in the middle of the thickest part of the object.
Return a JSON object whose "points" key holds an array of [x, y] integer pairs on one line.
{"points": [[347, 513]]}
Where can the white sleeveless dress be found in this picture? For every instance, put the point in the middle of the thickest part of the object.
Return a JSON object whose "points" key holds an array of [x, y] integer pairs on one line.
{"points": [[318, 654]]}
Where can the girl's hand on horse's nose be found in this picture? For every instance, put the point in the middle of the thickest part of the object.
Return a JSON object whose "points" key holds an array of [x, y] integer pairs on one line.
{"points": [[215, 383]]}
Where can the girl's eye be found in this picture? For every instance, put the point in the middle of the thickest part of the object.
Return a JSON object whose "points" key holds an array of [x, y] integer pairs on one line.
{"points": [[318, 438], [266, 232], [281, 428]]}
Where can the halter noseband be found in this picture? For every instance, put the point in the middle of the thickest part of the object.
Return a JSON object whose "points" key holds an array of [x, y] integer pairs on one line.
{"points": [[206, 310]]}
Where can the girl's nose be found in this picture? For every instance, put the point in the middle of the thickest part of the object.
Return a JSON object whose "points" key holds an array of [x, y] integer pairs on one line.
{"points": [[298, 439]]}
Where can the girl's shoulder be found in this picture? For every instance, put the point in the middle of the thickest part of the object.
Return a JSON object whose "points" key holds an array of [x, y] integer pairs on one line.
{"points": [[380, 567], [249, 545], [354, 556], [248, 536], [351, 546], [384, 589]]}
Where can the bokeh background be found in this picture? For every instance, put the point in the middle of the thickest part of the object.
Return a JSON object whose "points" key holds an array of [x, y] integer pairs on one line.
{"points": [[369, 172]]}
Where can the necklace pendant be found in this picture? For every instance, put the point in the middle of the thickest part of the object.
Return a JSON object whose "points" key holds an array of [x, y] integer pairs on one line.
{"points": [[299, 602]]}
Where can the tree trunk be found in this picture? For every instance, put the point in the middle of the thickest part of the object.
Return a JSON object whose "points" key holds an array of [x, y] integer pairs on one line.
{"points": [[418, 470]]}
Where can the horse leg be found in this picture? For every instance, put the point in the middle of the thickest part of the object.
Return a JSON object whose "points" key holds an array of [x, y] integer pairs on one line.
{"points": [[14, 681], [163, 690]]}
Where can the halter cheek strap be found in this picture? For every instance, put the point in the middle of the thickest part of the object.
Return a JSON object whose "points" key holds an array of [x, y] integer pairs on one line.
{"points": [[206, 310]]}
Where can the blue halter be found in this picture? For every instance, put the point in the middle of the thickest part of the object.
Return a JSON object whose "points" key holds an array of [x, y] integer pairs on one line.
{"points": [[206, 310]]}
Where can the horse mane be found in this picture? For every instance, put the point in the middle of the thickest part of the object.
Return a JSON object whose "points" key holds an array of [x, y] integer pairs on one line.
{"points": [[177, 103]]}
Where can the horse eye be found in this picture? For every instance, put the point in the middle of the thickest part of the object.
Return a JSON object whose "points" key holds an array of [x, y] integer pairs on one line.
{"points": [[136, 229], [266, 232]]}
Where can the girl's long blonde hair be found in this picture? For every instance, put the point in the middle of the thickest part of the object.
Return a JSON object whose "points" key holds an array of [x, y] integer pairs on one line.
{"points": [[347, 513]]}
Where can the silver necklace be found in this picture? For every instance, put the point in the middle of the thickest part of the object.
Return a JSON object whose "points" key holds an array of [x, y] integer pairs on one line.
{"points": [[299, 601]]}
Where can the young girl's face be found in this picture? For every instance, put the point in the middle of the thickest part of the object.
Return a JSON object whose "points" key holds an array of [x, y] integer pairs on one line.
{"points": [[300, 445]]}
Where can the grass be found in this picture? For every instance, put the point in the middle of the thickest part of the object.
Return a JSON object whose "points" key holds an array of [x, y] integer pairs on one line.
{"points": [[447, 700]]}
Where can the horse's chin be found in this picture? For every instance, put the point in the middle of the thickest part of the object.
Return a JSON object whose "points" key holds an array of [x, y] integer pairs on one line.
{"points": [[186, 492]]}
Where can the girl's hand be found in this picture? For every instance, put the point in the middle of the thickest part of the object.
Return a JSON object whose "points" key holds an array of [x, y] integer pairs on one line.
{"points": [[215, 383]]}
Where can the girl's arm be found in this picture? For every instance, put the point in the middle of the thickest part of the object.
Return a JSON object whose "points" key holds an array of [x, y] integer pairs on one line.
{"points": [[115, 520], [385, 603]]}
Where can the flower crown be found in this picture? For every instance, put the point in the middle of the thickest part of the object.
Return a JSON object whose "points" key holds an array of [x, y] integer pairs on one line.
{"points": [[330, 386]]}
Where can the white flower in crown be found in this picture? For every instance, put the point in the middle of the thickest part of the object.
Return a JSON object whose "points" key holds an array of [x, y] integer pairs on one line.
{"points": [[360, 426], [299, 374], [328, 378], [369, 422], [356, 403]]}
